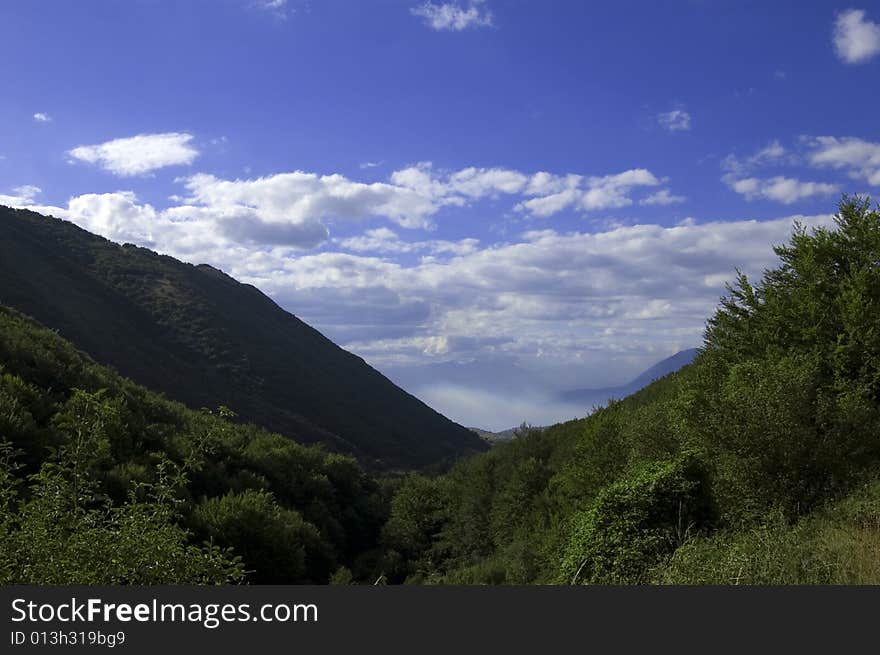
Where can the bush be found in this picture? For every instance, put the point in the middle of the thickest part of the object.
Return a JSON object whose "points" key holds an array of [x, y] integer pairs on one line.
{"points": [[61, 532], [636, 522]]}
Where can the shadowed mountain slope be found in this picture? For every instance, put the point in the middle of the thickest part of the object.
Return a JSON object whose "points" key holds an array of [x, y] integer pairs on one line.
{"points": [[205, 339]]}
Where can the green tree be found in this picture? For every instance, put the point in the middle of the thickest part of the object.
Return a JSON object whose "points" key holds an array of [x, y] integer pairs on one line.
{"points": [[275, 543], [62, 532]]}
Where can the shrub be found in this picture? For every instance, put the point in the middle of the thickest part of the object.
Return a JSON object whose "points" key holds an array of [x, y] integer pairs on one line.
{"points": [[637, 521]]}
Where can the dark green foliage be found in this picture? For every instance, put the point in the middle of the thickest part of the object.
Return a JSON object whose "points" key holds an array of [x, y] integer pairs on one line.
{"points": [[284, 548], [416, 518], [769, 425], [637, 521], [204, 339], [57, 529], [111, 483], [788, 392]]}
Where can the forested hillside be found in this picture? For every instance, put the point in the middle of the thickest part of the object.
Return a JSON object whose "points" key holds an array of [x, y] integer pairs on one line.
{"points": [[204, 339], [102, 481], [757, 463]]}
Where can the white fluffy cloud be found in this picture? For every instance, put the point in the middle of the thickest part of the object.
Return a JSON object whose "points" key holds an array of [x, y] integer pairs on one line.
{"points": [[677, 120], [662, 197], [298, 204], [119, 216], [860, 158], [739, 176], [41, 117], [21, 196], [586, 194], [453, 16], [290, 208], [780, 189], [478, 182], [856, 39], [139, 154], [383, 240], [295, 210]]}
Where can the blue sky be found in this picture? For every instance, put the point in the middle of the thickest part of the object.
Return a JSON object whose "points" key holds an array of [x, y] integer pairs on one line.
{"points": [[489, 201]]}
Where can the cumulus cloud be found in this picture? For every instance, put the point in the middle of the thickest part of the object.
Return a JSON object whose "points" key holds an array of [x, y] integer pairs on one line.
{"points": [[453, 16], [21, 196], [662, 197], [119, 216], [41, 117], [289, 208], [479, 182], [861, 159], [295, 210], [413, 195], [740, 177], [780, 189], [383, 240], [856, 39], [139, 154], [587, 194], [677, 120]]}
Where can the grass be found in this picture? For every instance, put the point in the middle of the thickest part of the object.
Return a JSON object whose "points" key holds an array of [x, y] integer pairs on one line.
{"points": [[838, 544]]}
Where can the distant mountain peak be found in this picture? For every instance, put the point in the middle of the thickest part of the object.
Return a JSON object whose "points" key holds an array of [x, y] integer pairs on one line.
{"points": [[599, 396]]}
